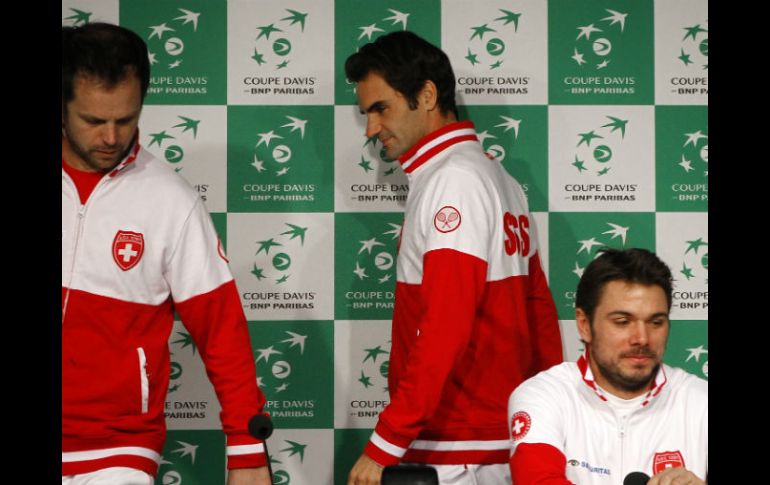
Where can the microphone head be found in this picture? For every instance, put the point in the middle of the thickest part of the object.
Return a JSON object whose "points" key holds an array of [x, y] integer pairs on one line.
{"points": [[409, 474], [260, 426], [636, 478]]}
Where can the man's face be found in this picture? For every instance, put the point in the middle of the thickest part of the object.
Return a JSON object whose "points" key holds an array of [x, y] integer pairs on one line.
{"points": [[388, 115], [627, 337], [99, 124]]}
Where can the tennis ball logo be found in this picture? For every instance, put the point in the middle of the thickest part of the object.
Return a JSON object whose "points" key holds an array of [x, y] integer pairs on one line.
{"points": [[174, 154], [281, 261], [602, 47], [282, 154], [383, 261], [704, 47], [174, 46], [602, 153], [281, 369], [282, 47], [495, 47], [172, 478]]}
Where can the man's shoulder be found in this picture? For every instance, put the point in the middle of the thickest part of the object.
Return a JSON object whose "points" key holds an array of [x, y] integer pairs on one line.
{"points": [[560, 378], [685, 383], [157, 175]]}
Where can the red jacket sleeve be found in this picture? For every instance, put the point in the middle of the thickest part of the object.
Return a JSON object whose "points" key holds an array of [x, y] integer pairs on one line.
{"points": [[448, 276], [543, 318], [218, 326], [538, 464]]}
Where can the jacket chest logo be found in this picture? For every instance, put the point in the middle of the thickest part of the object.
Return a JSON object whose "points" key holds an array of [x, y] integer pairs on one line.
{"points": [[127, 249], [666, 459]]}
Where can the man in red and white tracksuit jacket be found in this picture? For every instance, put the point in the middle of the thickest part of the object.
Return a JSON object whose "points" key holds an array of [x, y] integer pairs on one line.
{"points": [[473, 315], [601, 438], [141, 246]]}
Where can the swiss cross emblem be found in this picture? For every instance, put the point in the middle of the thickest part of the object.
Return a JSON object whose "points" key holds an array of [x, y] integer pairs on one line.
{"points": [[666, 459], [127, 249], [447, 219], [520, 424]]}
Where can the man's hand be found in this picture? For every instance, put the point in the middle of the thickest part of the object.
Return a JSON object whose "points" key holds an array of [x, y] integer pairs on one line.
{"points": [[675, 476], [248, 476], [365, 472]]}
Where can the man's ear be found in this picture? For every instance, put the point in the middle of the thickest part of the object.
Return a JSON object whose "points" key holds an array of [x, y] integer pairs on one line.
{"points": [[583, 325], [428, 96]]}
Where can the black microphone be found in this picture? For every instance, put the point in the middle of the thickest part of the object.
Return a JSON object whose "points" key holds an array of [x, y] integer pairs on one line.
{"points": [[409, 474], [636, 478], [261, 427]]}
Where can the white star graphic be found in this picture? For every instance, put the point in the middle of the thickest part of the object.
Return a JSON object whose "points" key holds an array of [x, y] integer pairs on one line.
{"points": [[578, 57], [510, 123], [588, 244], [296, 124], [603, 64], [296, 339], [398, 17], [696, 353], [617, 231], [186, 449], [616, 17], [159, 30], [266, 353], [258, 164], [384, 278], [163, 461], [484, 135], [266, 138], [368, 31], [694, 137], [259, 382], [175, 64], [282, 171], [586, 31], [578, 270], [686, 164], [282, 387], [369, 244], [151, 57], [189, 17], [396, 231], [360, 272]]}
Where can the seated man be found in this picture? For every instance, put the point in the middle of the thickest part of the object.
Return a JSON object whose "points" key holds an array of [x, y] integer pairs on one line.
{"points": [[618, 409]]}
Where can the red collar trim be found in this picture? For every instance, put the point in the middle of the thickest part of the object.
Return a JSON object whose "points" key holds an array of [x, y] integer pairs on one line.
{"points": [[436, 142]]}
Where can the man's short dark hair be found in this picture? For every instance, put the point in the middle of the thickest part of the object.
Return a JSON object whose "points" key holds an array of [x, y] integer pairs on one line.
{"points": [[108, 52], [633, 265], [406, 61]]}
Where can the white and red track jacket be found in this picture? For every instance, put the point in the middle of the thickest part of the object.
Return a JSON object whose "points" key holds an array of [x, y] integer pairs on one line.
{"points": [[566, 430], [473, 314], [142, 246]]}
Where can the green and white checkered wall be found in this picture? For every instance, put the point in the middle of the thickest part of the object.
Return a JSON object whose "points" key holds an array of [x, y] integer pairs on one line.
{"points": [[599, 108]]}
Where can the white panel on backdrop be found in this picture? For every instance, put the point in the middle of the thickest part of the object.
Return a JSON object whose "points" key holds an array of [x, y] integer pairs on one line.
{"points": [[498, 50], [280, 52], [365, 179], [302, 456], [681, 52], [80, 12], [283, 264], [601, 158], [193, 141], [682, 242], [570, 340], [191, 402], [361, 361]]}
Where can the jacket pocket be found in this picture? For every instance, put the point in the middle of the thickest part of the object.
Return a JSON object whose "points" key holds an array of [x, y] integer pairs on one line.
{"points": [[143, 380]]}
